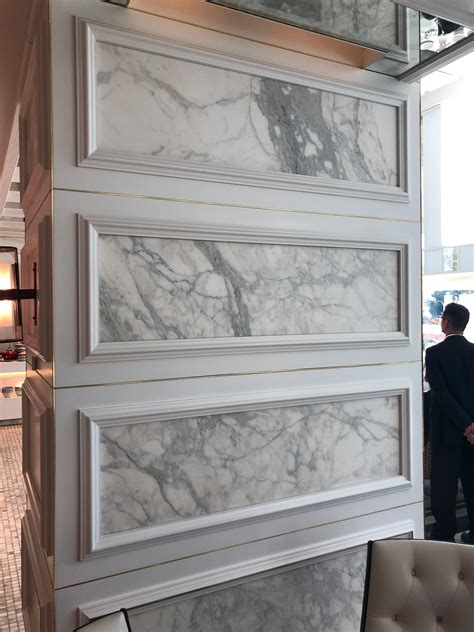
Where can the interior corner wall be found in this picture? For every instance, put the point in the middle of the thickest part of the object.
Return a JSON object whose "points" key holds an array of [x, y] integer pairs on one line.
{"points": [[236, 283]]}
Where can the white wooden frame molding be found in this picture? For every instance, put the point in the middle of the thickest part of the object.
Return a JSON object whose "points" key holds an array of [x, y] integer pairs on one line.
{"points": [[89, 33], [209, 581], [36, 577], [400, 51], [92, 420], [34, 190], [45, 279], [92, 350], [39, 244], [42, 502], [43, 583]]}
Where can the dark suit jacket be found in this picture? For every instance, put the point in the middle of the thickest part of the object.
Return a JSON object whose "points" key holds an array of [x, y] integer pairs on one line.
{"points": [[450, 373]]}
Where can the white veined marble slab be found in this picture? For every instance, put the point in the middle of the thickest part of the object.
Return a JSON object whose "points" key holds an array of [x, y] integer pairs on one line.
{"points": [[322, 596], [151, 105], [166, 289], [168, 470]]}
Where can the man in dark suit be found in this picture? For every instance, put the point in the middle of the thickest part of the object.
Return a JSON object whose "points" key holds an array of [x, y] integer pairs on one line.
{"points": [[450, 373]]}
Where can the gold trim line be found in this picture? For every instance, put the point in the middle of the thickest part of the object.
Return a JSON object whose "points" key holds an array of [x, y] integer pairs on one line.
{"points": [[246, 543], [217, 375], [230, 205]]}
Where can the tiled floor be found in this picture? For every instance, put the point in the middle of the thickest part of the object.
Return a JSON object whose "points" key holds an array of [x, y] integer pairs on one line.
{"points": [[12, 508]]}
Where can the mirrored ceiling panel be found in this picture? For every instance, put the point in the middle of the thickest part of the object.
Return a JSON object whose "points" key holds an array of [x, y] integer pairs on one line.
{"points": [[372, 22], [405, 36], [438, 34]]}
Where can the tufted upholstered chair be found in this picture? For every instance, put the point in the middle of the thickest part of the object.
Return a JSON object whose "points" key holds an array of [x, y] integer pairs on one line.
{"points": [[418, 586]]}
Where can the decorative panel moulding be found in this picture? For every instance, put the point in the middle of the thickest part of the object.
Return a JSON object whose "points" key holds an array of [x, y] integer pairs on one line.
{"points": [[36, 257], [150, 105], [36, 585], [239, 574], [34, 127], [250, 460], [38, 463], [161, 290], [328, 591]]}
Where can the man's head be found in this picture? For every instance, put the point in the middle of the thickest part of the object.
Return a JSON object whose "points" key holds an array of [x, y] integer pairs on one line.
{"points": [[454, 319]]}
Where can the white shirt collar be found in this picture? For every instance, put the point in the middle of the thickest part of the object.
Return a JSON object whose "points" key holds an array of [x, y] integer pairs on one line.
{"points": [[447, 336]]}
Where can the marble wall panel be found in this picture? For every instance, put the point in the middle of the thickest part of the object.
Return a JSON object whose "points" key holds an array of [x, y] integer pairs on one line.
{"points": [[371, 21], [165, 289], [167, 470], [153, 106], [320, 596]]}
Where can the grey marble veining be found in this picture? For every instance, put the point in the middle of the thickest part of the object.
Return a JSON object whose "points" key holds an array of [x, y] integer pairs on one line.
{"points": [[151, 105], [164, 289], [168, 470], [371, 21], [322, 596]]}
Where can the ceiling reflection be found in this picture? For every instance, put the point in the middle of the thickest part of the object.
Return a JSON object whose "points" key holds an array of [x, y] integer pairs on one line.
{"points": [[405, 36]]}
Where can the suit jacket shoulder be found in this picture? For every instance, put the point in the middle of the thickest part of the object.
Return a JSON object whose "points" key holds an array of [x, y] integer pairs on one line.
{"points": [[450, 373], [451, 345]]}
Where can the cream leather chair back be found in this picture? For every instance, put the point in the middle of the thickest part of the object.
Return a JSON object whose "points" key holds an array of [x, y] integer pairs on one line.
{"points": [[419, 586]]}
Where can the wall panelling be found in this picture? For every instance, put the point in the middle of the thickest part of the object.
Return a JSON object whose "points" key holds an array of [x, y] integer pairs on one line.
{"points": [[38, 458], [34, 126], [194, 166], [269, 128], [236, 282], [365, 272], [117, 490], [226, 574]]}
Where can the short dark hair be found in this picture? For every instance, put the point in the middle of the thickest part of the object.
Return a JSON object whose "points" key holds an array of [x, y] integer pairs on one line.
{"points": [[457, 315]]}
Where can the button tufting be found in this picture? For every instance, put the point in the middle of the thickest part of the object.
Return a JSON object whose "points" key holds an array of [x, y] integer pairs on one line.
{"points": [[439, 619], [461, 575], [394, 617], [413, 572]]}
